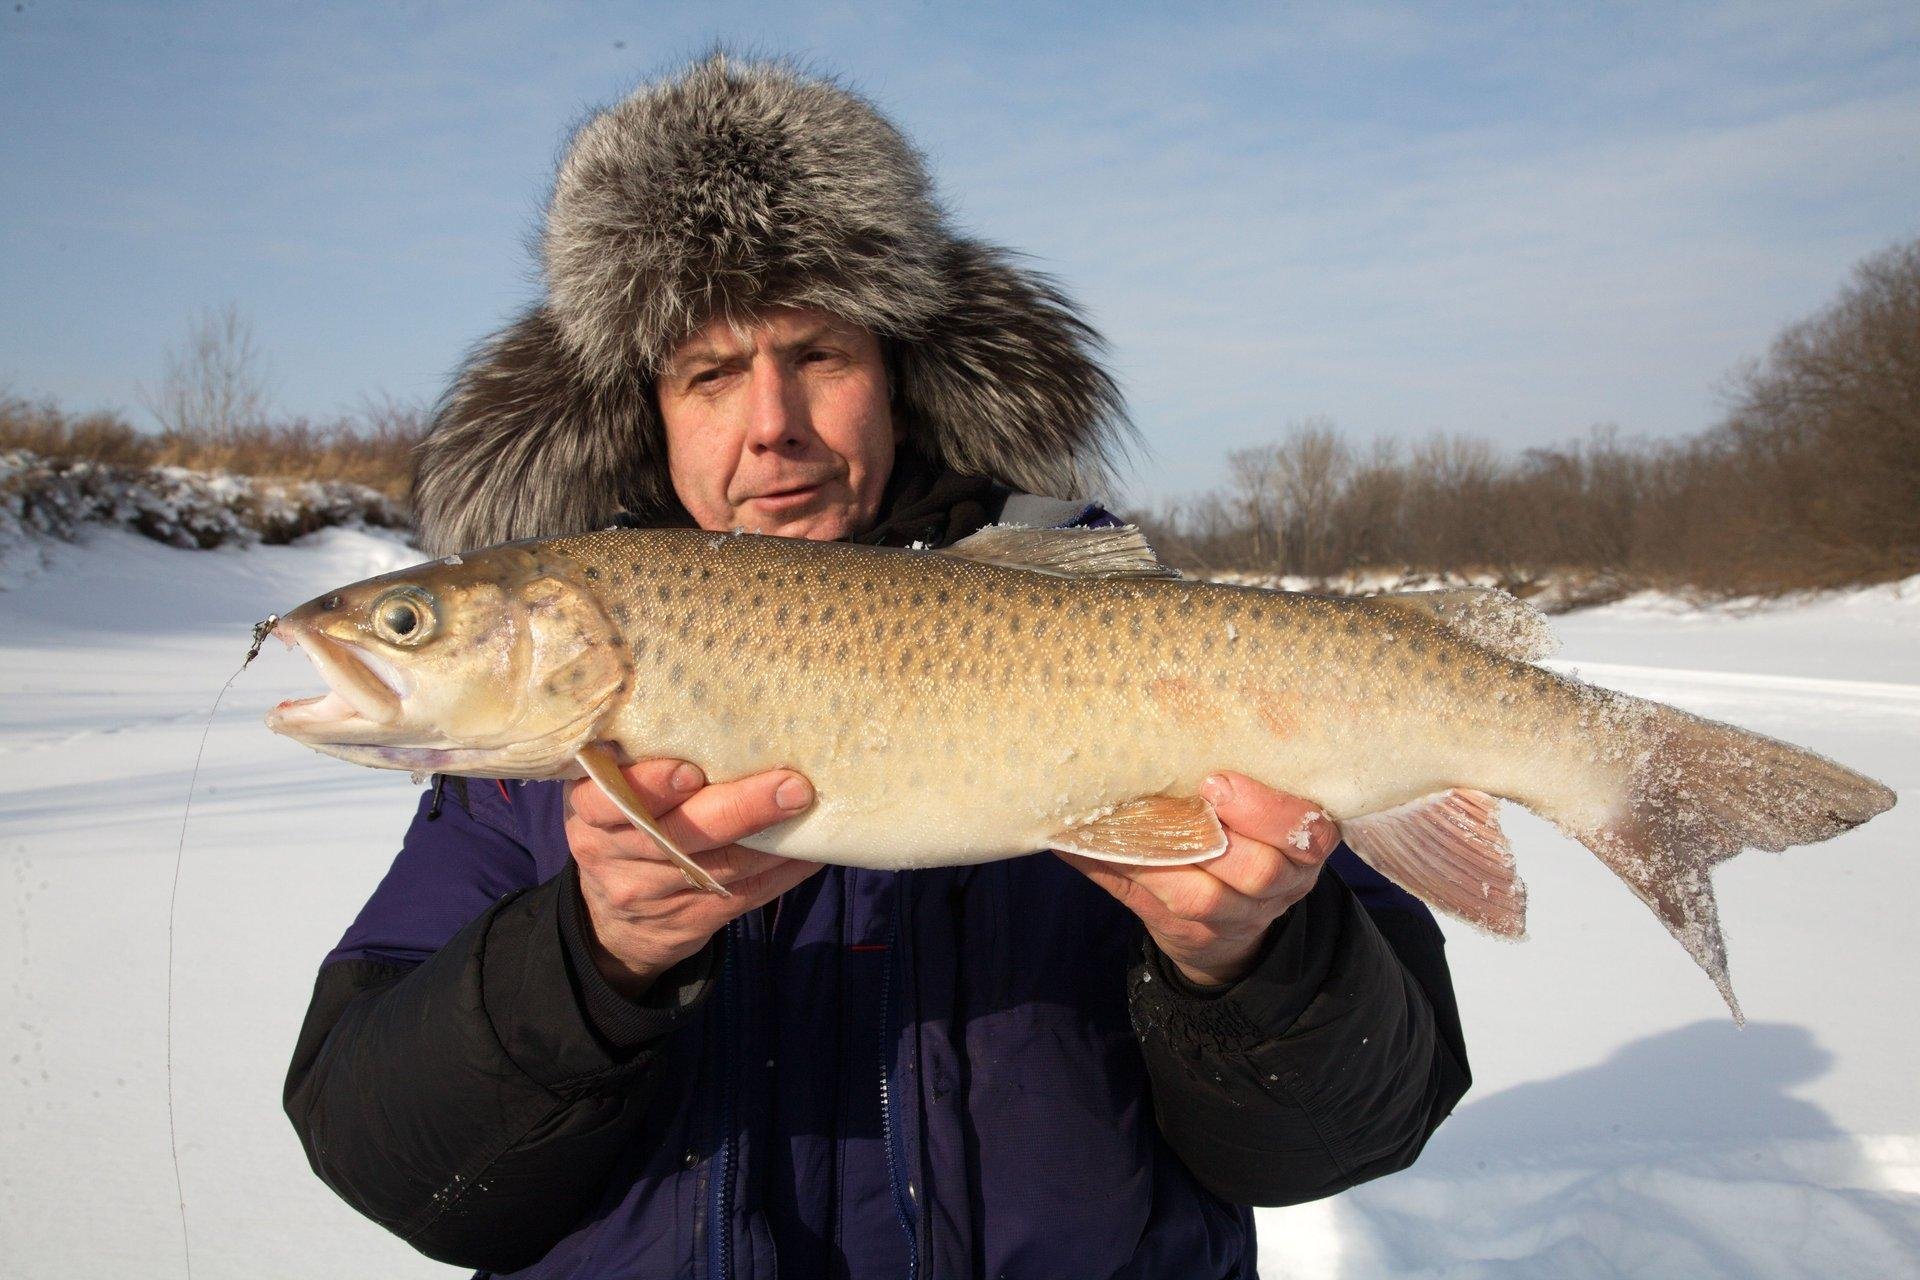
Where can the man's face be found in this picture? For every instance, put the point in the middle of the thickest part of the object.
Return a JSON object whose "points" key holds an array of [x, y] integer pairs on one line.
{"points": [[783, 428]]}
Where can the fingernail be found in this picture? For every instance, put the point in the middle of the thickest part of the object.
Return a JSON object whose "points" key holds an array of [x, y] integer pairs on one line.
{"points": [[687, 778], [794, 793], [1217, 789]]}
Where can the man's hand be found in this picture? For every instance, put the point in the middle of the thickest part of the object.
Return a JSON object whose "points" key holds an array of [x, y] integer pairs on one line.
{"points": [[643, 915], [1209, 917]]}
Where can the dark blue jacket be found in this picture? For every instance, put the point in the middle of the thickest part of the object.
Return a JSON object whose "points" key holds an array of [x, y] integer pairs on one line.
{"points": [[958, 1072]]}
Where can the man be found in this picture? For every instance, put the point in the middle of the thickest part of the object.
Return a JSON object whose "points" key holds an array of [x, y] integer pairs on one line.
{"points": [[539, 1050]]}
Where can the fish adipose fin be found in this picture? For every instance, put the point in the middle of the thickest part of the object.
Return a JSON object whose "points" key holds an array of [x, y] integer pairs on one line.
{"points": [[1064, 553], [1161, 831], [1488, 616], [600, 763], [1447, 849]]}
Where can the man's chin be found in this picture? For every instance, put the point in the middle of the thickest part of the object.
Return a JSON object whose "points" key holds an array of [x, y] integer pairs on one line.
{"points": [[822, 524]]}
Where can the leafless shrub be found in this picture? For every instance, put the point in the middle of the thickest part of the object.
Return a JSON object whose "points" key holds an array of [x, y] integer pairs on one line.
{"points": [[41, 427], [369, 447], [215, 382]]}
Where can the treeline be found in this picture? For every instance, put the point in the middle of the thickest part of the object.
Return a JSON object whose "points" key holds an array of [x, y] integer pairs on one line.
{"points": [[1812, 479]]}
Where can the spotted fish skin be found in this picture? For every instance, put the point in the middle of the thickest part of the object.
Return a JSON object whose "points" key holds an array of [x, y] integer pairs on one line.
{"points": [[1027, 691], [949, 710]]}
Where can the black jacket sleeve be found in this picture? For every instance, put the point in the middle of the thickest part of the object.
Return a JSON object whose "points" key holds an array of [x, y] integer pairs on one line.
{"points": [[1329, 1063], [474, 1104]]}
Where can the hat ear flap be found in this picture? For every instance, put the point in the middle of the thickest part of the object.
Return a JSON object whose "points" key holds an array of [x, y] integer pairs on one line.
{"points": [[525, 444], [1007, 383]]}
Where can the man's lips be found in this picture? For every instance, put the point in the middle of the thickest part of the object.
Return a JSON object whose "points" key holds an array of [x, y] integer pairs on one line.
{"points": [[790, 496]]}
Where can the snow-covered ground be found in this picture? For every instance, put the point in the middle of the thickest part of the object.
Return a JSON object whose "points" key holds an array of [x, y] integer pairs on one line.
{"points": [[1620, 1125]]}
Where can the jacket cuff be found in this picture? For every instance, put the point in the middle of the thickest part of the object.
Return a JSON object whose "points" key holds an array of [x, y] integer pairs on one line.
{"points": [[1294, 960], [625, 1025], [538, 1015]]}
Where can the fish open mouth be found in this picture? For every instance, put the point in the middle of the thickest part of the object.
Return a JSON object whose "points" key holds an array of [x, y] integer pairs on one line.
{"points": [[358, 689]]}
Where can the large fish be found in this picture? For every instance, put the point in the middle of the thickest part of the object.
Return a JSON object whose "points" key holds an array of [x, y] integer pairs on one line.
{"points": [[1028, 689]]}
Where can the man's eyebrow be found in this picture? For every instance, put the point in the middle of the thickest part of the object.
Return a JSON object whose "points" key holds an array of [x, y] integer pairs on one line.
{"points": [[708, 353], [807, 337], [705, 353]]}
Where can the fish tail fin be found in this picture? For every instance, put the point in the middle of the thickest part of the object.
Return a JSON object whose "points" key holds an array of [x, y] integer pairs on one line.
{"points": [[1698, 792]]}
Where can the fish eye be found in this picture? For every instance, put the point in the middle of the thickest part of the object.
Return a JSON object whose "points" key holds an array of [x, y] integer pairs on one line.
{"points": [[404, 616], [400, 618]]}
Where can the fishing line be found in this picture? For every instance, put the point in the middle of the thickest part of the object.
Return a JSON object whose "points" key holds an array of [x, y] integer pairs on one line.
{"points": [[260, 632]]}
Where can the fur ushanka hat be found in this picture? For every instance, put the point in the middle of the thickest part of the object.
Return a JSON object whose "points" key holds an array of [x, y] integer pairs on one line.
{"points": [[731, 188]]}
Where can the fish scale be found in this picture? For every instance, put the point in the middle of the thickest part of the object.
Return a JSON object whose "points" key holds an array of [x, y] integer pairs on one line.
{"points": [[1030, 689], [914, 720]]}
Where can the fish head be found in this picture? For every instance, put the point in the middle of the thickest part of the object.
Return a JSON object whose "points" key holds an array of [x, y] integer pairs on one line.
{"points": [[496, 664]]}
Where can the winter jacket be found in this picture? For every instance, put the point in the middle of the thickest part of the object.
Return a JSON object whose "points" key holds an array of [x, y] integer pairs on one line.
{"points": [[984, 1070]]}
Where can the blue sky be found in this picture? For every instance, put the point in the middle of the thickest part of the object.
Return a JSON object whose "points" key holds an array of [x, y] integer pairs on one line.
{"points": [[1509, 220]]}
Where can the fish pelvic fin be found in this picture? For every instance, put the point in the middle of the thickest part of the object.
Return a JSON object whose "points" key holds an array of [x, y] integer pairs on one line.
{"points": [[1447, 849], [1064, 553], [603, 766], [1699, 792], [1488, 616], [1153, 831]]}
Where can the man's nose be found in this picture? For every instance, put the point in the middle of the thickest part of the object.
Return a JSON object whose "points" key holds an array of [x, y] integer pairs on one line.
{"points": [[777, 412]]}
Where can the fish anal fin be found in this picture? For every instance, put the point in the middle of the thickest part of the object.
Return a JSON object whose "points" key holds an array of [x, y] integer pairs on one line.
{"points": [[1447, 849], [1163, 831], [1065, 553], [603, 766]]}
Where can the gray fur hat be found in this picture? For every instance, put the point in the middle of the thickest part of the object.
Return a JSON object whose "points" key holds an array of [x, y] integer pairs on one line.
{"points": [[729, 188]]}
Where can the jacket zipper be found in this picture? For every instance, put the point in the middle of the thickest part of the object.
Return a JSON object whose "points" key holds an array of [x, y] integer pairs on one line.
{"points": [[720, 1188], [903, 1205]]}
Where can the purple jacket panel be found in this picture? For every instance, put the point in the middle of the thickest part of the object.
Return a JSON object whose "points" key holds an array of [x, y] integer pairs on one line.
{"points": [[891, 1064]]}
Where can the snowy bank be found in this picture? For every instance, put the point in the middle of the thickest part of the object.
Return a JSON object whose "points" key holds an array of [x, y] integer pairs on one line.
{"points": [[44, 499]]}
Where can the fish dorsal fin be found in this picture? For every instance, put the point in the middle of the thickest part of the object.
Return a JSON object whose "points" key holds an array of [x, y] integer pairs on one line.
{"points": [[1447, 849], [1160, 831], [1487, 616], [1066, 553]]}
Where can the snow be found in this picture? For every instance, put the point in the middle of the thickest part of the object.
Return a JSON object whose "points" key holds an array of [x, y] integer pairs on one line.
{"points": [[1619, 1123]]}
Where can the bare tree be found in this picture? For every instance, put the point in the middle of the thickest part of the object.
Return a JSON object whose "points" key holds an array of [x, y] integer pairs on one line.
{"points": [[1374, 502], [215, 383], [1253, 494], [1315, 468], [1289, 495]]}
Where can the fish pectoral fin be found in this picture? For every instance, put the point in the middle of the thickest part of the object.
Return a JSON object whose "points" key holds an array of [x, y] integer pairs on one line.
{"points": [[1064, 553], [1151, 831], [603, 766], [1447, 849]]}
